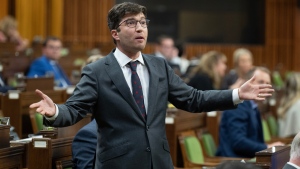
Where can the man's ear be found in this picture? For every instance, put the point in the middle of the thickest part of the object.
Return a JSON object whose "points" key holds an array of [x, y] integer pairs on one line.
{"points": [[114, 34]]}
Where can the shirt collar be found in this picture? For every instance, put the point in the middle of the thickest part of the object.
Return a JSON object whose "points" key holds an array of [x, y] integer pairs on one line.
{"points": [[253, 104], [123, 59], [293, 165]]}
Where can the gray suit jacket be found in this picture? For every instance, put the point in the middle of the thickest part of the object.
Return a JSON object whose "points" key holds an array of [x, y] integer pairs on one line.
{"points": [[125, 139]]}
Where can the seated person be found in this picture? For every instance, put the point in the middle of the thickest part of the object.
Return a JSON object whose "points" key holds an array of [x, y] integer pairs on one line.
{"points": [[288, 110], [240, 132], [165, 48], [3, 87], [294, 162], [9, 33], [84, 146], [48, 63], [207, 75], [243, 63]]}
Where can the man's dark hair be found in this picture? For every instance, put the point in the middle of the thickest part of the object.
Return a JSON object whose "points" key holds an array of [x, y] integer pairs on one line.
{"points": [[120, 10], [116, 14], [48, 39]]}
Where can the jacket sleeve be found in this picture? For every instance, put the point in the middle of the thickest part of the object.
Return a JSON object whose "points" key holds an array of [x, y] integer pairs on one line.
{"points": [[190, 99], [238, 126]]}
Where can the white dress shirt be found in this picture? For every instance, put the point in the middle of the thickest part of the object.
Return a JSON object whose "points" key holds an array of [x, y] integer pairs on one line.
{"points": [[143, 73], [141, 69]]}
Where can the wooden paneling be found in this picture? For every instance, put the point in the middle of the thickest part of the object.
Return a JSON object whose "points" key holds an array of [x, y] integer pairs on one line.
{"points": [[86, 21], [296, 58], [39, 18], [55, 15], [280, 34], [3, 8], [32, 17]]}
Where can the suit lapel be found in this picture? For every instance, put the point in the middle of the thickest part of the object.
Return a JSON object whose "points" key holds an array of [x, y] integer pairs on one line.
{"points": [[153, 82], [115, 73]]}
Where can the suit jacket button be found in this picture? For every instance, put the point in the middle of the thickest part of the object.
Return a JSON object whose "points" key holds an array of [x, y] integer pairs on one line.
{"points": [[147, 128], [148, 149]]}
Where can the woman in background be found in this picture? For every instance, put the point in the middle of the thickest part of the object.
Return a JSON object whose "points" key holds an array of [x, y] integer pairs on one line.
{"points": [[207, 75], [243, 63], [289, 108], [9, 33]]}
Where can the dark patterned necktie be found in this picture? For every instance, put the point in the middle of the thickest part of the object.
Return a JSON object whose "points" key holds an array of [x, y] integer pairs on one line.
{"points": [[137, 90]]}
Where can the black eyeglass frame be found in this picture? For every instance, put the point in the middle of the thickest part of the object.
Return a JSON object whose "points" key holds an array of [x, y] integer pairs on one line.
{"points": [[136, 21]]}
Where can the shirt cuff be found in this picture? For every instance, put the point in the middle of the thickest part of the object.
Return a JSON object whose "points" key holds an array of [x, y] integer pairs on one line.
{"points": [[235, 97], [55, 115]]}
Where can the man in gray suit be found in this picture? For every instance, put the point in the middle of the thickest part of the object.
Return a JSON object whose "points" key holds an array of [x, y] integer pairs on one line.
{"points": [[294, 162], [128, 92]]}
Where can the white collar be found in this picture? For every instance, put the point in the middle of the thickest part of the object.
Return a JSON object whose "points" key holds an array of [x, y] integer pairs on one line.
{"points": [[123, 59], [294, 165]]}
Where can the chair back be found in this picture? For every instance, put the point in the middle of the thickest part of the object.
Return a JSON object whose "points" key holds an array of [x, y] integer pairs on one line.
{"points": [[266, 131], [36, 121], [194, 149], [273, 126], [190, 148], [209, 144]]}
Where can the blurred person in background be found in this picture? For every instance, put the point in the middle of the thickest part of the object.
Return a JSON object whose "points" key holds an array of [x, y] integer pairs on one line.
{"points": [[165, 48], [243, 63], [240, 131], [294, 162], [47, 65], [9, 33], [179, 58], [288, 110], [207, 75]]}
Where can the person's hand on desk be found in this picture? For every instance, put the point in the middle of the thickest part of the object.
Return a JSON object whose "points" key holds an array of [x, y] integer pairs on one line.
{"points": [[253, 91], [46, 106], [277, 143]]}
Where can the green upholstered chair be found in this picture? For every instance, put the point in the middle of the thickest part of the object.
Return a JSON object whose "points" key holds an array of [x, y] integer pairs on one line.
{"points": [[193, 149], [277, 80], [209, 144], [273, 126], [36, 121], [266, 131], [39, 121]]}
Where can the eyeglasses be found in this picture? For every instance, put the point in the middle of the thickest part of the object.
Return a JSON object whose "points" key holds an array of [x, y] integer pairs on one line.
{"points": [[53, 47], [131, 23]]}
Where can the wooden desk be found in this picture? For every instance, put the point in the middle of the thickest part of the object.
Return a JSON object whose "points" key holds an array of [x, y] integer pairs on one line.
{"points": [[17, 108], [4, 136], [43, 152], [176, 122], [41, 83], [273, 158], [11, 157]]}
